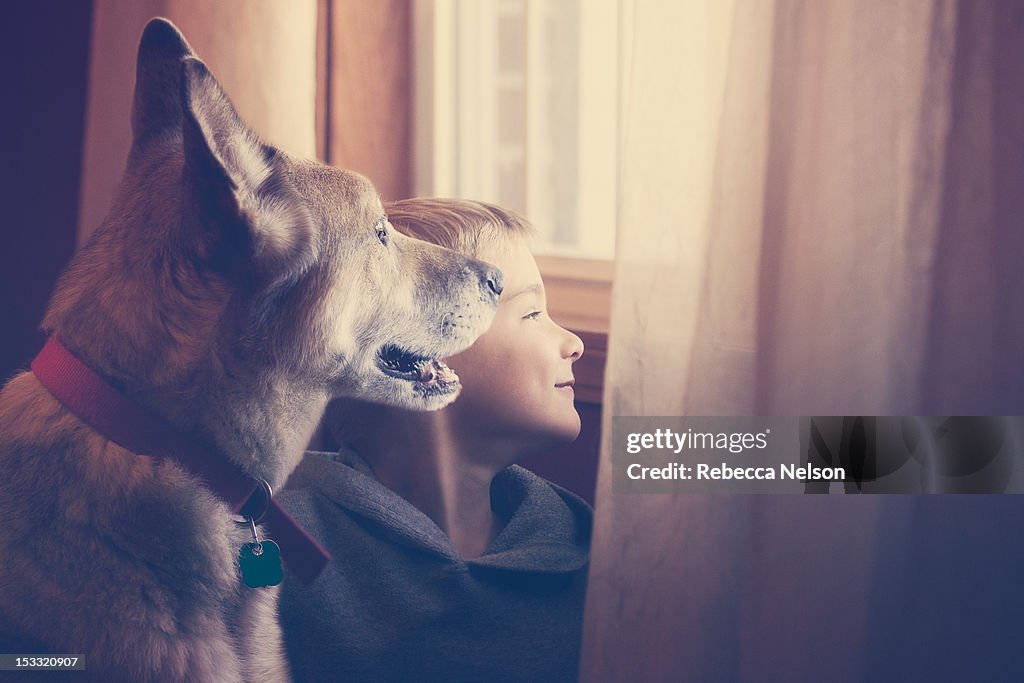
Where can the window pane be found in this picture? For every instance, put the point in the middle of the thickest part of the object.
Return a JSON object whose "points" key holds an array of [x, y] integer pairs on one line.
{"points": [[523, 95]]}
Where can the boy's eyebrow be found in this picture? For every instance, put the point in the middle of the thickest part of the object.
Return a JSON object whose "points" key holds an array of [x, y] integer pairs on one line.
{"points": [[535, 288]]}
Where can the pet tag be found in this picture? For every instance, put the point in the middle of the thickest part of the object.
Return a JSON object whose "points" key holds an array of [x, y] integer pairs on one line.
{"points": [[260, 561], [260, 564]]}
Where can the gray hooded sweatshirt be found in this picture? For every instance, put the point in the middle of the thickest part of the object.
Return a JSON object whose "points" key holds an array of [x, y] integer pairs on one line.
{"points": [[398, 603]]}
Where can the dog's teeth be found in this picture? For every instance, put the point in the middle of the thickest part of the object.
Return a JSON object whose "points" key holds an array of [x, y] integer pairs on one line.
{"points": [[427, 373], [443, 373]]}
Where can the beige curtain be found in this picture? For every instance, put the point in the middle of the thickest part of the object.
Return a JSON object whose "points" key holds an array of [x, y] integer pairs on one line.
{"points": [[262, 51], [821, 213]]}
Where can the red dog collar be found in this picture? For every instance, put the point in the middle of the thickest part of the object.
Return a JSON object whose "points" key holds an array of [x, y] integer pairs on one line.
{"points": [[141, 431]]}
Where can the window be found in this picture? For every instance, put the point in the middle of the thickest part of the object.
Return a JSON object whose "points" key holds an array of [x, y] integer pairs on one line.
{"points": [[511, 101], [516, 103]]}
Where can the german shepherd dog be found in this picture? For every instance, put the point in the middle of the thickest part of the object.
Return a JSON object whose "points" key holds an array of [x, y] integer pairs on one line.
{"points": [[231, 291]]}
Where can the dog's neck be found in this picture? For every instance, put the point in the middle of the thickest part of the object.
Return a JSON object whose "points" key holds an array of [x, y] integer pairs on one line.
{"points": [[262, 427], [260, 422], [259, 425], [136, 428], [273, 429]]}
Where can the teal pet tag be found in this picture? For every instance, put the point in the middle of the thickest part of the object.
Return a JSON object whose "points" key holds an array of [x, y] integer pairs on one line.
{"points": [[260, 563]]}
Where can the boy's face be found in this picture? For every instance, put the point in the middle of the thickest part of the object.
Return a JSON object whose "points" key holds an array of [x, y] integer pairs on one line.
{"points": [[517, 377]]}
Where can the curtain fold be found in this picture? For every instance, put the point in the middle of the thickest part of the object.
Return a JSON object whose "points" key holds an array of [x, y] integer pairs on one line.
{"points": [[820, 213]]}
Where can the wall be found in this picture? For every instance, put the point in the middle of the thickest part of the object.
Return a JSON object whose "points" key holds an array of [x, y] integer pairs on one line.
{"points": [[46, 62]]}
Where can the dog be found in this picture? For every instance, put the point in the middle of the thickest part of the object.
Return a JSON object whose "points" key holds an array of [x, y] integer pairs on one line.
{"points": [[230, 292]]}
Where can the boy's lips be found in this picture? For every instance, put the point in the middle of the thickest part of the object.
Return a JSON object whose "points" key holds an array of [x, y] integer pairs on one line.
{"points": [[567, 383]]}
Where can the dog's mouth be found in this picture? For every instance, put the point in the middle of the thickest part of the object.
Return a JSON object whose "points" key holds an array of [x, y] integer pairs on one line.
{"points": [[428, 374]]}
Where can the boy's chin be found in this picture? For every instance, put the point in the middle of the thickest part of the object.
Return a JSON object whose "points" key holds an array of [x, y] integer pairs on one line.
{"points": [[531, 434], [573, 430], [563, 432], [548, 440]]}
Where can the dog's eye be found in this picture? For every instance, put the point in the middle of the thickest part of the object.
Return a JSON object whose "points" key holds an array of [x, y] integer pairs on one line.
{"points": [[382, 233]]}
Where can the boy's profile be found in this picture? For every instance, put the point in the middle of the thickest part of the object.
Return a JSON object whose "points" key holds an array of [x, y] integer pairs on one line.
{"points": [[450, 562]]}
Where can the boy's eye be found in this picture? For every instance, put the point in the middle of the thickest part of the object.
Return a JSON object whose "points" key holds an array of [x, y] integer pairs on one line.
{"points": [[532, 316]]}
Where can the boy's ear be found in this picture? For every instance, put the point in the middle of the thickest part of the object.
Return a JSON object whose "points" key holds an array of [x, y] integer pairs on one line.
{"points": [[247, 209], [156, 107]]}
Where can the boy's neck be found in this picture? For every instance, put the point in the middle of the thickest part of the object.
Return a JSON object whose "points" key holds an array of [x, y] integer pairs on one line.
{"points": [[458, 501], [445, 475]]}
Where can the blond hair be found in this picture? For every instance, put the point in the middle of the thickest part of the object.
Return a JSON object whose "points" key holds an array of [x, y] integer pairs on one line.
{"points": [[463, 225]]}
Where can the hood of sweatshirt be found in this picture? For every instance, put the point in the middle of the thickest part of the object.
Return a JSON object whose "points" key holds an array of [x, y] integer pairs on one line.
{"points": [[545, 528]]}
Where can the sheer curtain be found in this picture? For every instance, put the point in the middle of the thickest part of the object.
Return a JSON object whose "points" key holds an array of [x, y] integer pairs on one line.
{"points": [[821, 213]]}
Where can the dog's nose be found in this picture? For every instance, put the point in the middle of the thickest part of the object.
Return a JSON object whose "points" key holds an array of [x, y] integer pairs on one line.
{"points": [[494, 282]]}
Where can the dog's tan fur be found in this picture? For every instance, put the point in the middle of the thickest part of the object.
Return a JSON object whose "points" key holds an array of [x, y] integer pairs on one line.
{"points": [[233, 289]]}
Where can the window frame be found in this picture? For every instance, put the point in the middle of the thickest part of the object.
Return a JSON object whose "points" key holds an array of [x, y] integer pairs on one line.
{"points": [[579, 289]]}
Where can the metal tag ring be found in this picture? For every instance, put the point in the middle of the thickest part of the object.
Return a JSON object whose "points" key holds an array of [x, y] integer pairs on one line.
{"points": [[268, 493]]}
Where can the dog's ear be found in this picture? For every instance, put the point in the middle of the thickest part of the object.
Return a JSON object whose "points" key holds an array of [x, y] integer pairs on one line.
{"points": [[156, 107], [246, 206]]}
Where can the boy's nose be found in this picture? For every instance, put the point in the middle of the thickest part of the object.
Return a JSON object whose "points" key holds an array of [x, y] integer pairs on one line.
{"points": [[573, 346]]}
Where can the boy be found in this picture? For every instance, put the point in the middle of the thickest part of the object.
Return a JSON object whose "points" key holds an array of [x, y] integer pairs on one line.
{"points": [[450, 563]]}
